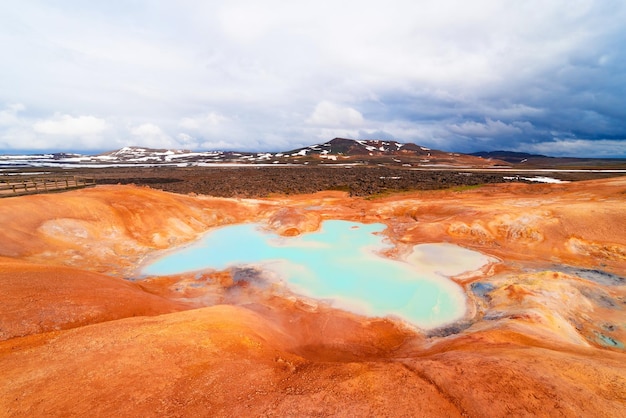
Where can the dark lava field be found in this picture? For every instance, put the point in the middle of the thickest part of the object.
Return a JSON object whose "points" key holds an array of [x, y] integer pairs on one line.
{"points": [[264, 181]]}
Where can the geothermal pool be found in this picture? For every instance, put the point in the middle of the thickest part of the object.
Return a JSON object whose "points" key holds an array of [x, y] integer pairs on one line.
{"points": [[339, 263]]}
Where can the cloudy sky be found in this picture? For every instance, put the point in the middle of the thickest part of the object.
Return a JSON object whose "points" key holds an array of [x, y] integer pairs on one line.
{"points": [[541, 76]]}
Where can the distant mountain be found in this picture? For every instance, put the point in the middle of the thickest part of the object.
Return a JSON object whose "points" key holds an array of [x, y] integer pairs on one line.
{"points": [[526, 160], [156, 156], [352, 147], [336, 151], [136, 153], [374, 151], [508, 156]]}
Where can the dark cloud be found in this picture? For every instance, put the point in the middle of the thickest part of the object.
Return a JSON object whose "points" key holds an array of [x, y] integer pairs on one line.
{"points": [[461, 76]]}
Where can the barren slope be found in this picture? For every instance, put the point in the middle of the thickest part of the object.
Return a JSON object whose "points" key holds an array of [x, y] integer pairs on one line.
{"points": [[544, 334]]}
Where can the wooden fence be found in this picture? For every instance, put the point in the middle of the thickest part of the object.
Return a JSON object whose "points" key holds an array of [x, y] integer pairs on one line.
{"points": [[17, 185]]}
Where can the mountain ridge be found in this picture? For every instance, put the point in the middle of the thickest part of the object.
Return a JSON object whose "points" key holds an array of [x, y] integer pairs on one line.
{"points": [[335, 151], [516, 157], [508, 156]]}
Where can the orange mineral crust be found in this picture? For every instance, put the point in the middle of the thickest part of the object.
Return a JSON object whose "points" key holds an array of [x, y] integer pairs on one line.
{"points": [[37, 298], [82, 333]]}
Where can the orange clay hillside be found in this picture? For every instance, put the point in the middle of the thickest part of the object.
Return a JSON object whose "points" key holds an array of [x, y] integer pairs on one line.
{"points": [[82, 334]]}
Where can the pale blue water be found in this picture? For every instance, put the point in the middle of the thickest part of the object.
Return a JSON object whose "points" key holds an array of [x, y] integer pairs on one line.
{"points": [[338, 262]]}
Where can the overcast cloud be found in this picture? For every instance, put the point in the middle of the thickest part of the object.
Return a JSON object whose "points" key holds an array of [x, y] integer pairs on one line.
{"points": [[544, 76]]}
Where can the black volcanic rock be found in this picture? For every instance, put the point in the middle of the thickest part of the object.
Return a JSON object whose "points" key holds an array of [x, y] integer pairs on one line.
{"points": [[253, 182]]}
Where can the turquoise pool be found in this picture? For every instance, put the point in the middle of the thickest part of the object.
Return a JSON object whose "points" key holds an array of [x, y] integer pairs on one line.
{"points": [[338, 263]]}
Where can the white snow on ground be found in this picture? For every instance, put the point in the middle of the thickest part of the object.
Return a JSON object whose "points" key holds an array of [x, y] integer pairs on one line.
{"points": [[194, 154], [364, 144], [539, 179], [31, 173], [25, 157]]}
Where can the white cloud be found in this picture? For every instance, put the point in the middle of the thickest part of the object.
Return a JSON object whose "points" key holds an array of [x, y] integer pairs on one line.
{"points": [[70, 125], [187, 141], [151, 135], [200, 123], [9, 116], [58, 132], [277, 74], [328, 114], [491, 128], [223, 145], [248, 21], [600, 148]]}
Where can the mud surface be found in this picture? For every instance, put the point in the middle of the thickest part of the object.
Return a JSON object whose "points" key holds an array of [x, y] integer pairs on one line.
{"points": [[544, 334]]}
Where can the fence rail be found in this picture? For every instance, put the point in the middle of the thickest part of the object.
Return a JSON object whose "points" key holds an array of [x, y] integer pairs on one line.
{"points": [[18, 185]]}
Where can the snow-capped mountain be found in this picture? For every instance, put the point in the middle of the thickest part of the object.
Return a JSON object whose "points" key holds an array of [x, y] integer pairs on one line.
{"points": [[149, 155], [368, 147], [338, 150], [362, 147]]}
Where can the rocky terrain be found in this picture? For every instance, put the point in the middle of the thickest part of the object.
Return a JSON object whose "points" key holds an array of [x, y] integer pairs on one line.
{"points": [[81, 333], [359, 167], [261, 182]]}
